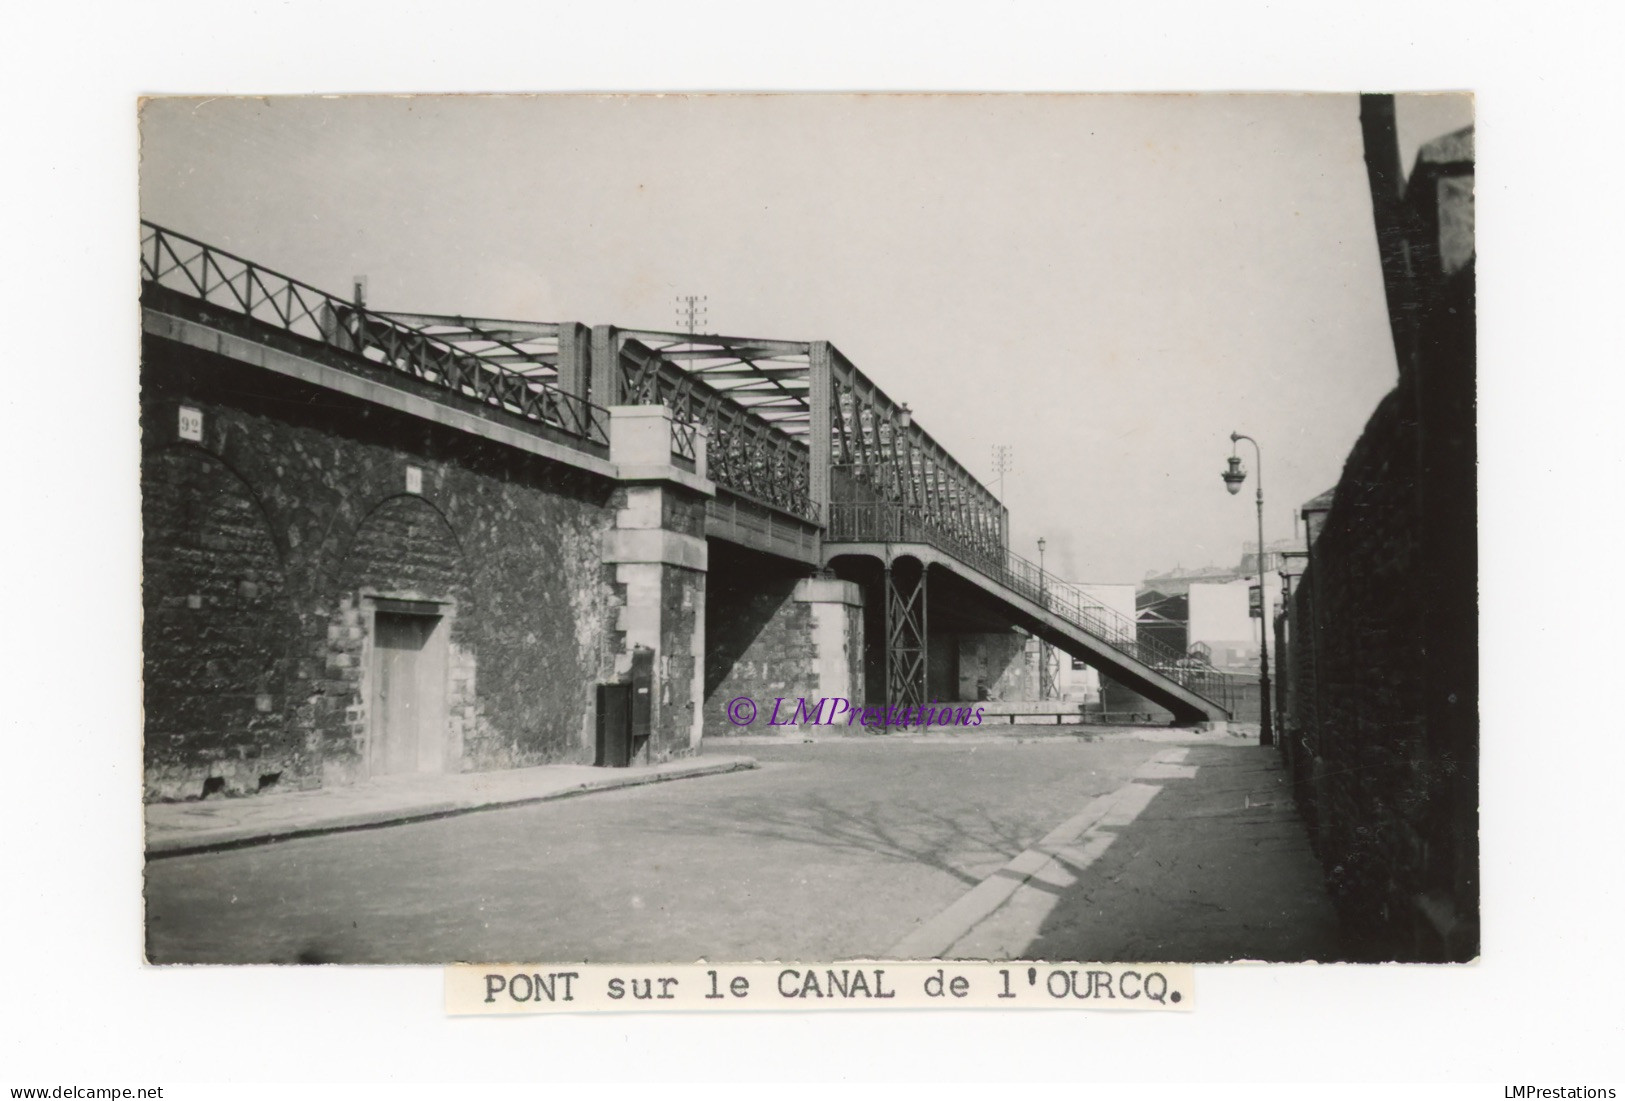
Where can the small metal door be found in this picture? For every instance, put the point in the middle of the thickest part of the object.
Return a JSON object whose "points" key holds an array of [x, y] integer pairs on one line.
{"points": [[614, 726], [642, 678]]}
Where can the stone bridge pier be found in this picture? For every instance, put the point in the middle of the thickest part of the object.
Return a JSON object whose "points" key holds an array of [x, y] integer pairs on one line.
{"points": [[658, 553], [774, 632]]}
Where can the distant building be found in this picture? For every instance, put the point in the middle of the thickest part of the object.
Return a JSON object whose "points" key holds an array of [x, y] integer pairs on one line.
{"points": [[1274, 551], [1165, 619], [1208, 608], [1076, 680], [1177, 581], [1221, 620]]}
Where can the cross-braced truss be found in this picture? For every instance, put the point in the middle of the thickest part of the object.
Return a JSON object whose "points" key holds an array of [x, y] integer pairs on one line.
{"points": [[768, 378], [529, 348], [749, 396], [880, 456], [1049, 671], [905, 634], [811, 394]]}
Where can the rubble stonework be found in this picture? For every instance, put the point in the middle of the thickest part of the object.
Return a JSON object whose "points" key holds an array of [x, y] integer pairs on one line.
{"points": [[265, 542], [761, 640], [1382, 723]]}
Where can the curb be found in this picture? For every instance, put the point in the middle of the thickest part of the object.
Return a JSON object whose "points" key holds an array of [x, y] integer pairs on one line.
{"points": [[933, 938], [1020, 733], [240, 837]]}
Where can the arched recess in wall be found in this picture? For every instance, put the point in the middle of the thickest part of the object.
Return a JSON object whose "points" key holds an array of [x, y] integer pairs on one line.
{"points": [[405, 546], [216, 626], [403, 599]]}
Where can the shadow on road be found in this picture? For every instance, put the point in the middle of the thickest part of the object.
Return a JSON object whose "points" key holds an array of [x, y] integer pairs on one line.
{"points": [[966, 844], [1216, 868]]}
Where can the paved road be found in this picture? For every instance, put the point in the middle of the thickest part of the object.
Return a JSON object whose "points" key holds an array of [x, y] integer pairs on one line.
{"points": [[832, 850], [1216, 867]]}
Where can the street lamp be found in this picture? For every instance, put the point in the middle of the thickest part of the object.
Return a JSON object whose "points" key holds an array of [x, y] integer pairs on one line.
{"points": [[1046, 674], [905, 461], [1043, 595], [1233, 476]]}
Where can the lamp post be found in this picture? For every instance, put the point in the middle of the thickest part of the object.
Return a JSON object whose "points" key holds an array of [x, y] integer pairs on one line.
{"points": [[1233, 476], [1046, 674], [900, 425]]}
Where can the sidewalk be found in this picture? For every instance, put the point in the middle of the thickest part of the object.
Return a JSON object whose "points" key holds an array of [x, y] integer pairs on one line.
{"points": [[1200, 858], [1001, 733], [174, 829]]}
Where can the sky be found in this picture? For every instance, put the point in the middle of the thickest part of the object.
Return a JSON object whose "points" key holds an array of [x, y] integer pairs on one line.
{"points": [[1108, 284]]}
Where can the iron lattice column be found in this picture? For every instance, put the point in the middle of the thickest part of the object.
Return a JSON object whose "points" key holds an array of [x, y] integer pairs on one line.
{"points": [[1049, 668], [905, 637]]}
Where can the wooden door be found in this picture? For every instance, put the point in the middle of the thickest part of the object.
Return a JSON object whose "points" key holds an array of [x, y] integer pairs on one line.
{"points": [[402, 678]]}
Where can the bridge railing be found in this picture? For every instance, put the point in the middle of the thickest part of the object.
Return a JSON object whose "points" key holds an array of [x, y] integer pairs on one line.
{"points": [[889, 522], [746, 455], [876, 443], [190, 267], [743, 453], [685, 446]]}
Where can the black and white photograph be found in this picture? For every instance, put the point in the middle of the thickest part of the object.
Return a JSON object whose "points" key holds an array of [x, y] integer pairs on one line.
{"points": [[692, 545], [809, 527]]}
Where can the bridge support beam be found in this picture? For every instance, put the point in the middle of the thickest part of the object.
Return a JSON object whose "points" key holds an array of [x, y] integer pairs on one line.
{"points": [[904, 589], [575, 358], [603, 373]]}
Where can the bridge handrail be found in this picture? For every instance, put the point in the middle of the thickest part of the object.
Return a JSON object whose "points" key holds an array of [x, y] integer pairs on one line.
{"points": [[885, 521], [191, 267], [744, 452], [685, 441]]}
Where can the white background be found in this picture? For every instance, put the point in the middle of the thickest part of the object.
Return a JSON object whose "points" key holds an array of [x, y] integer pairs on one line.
{"points": [[1542, 1006]]}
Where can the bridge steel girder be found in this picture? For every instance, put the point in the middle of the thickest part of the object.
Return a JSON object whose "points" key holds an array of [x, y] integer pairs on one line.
{"points": [[753, 449], [878, 454], [739, 520], [1186, 705], [905, 637]]}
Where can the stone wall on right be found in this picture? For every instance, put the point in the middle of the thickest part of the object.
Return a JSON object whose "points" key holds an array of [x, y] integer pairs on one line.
{"points": [[1381, 725]]}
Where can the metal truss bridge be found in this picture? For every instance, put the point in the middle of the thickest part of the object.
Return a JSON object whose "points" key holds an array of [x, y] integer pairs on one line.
{"points": [[811, 459]]}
